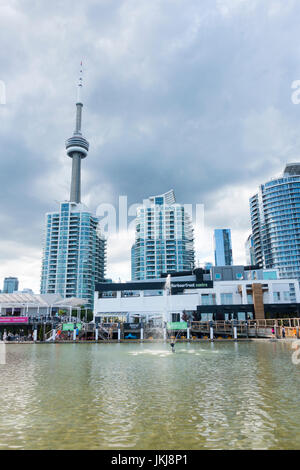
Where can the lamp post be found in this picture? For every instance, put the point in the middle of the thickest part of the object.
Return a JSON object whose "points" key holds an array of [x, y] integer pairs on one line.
{"points": [[44, 330], [235, 330], [34, 332], [211, 330], [188, 330], [74, 331]]}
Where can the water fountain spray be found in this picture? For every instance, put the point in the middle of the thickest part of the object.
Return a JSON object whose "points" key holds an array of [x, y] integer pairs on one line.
{"points": [[168, 290]]}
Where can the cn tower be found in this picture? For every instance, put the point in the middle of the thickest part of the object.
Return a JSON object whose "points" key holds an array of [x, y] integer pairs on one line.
{"points": [[77, 147], [71, 267]]}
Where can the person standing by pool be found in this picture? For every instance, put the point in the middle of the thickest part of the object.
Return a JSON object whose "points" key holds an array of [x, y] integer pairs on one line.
{"points": [[273, 331]]}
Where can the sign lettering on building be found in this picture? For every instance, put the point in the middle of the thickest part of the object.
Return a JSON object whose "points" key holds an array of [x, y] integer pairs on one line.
{"points": [[192, 285]]}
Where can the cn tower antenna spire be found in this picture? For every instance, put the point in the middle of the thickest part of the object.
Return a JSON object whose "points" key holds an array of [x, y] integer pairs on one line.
{"points": [[79, 86], [77, 146], [79, 103]]}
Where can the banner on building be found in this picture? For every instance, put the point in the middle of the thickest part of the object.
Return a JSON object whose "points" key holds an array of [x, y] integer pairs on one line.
{"points": [[13, 319], [70, 326], [177, 325]]}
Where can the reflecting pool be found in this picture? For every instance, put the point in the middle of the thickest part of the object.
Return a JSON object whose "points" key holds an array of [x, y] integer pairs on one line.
{"points": [[227, 395]]}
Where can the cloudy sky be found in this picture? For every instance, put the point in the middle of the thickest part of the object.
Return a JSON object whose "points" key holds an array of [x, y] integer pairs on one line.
{"points": [[193, 95]]}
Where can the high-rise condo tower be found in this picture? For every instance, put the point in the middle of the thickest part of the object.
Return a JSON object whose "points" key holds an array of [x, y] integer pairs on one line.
{"points": [[275, 219], [164, 238]]}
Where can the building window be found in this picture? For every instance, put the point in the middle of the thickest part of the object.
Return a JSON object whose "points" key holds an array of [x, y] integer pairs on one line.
{"points": [[175, 317], [276, 296], [206, 316], [241, 316], [130, 293], [107, 295], [286, 296], [208, 299], [227, 299], [150, 293]]}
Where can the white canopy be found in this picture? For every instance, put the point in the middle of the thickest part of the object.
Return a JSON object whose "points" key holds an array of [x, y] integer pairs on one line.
{"points": [[39, 300]]}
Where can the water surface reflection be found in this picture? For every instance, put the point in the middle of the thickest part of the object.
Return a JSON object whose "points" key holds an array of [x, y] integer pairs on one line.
{"points": [[141, 396]]}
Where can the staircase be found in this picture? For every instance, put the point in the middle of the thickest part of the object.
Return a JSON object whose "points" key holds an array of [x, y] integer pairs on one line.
{"points": [[49, 334], [103, 333]]}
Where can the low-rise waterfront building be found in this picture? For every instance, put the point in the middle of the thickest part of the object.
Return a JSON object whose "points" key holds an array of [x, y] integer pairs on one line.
{"points": [[221, 293]]}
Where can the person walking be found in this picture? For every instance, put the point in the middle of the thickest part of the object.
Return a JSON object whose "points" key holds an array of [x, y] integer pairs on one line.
{"points": [[283, 332]]}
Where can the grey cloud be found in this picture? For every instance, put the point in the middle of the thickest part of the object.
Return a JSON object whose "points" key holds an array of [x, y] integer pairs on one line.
{"points": [[183, 94]]}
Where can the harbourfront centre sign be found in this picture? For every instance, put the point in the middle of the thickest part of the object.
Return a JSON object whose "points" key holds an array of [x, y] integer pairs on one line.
{"points": [[192, 285]]}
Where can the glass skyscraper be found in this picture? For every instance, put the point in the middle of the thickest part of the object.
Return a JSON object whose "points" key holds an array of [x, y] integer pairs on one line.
{"points": [[222, 247], [74, 255], [164, 241], [10, 285], [249, 251], [275, 219]]}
